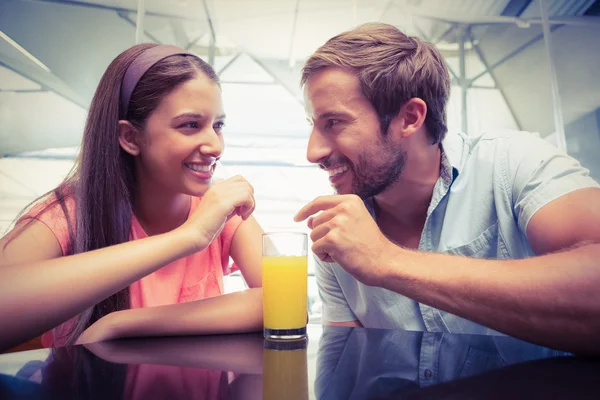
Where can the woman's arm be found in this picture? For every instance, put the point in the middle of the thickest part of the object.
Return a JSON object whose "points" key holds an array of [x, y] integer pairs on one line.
{"points": [[230, 313], [246, 251], [39, 295]]}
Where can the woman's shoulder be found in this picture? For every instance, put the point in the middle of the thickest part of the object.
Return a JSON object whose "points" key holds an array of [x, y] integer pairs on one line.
{"points": [[52, 207], [57, 212]]}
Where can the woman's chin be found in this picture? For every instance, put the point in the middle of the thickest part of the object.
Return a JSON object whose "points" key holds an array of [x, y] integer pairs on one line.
{"points": [[198, 190]]}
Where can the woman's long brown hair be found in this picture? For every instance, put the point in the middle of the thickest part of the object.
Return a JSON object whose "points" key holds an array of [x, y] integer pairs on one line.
{"points": [[102, 182]]}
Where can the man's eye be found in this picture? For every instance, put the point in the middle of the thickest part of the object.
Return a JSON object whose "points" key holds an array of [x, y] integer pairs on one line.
{"points": [[330, 123]]}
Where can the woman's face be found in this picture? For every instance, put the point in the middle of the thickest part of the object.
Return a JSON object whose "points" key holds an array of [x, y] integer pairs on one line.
{"points": [[182, 139]]}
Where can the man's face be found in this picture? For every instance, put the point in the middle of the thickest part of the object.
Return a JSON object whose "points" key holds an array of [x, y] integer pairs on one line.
{"points": [[346, 140]]}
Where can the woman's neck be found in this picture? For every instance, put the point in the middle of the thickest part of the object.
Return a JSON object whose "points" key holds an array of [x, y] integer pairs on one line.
{"points": [[161, 213]]}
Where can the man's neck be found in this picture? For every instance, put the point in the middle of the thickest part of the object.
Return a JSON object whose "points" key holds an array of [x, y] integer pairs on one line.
{"points": [[405, 203]]}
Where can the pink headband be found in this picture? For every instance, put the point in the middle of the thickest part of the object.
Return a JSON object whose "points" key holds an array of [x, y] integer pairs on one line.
{"points": [[140, 65]]}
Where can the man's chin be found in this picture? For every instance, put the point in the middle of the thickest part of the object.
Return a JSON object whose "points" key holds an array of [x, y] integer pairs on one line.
{"points": [[351, 190], [342, 189]]}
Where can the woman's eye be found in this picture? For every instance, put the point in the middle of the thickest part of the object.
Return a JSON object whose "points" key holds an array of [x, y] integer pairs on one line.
{"points": [[191, 124], [219, 126]]}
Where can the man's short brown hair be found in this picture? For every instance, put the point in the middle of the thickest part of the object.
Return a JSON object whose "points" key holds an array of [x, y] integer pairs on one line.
{"points": [[392, 68]]}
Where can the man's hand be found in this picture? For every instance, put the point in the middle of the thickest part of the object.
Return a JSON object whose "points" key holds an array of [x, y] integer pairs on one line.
{"points": [[345, 233]]}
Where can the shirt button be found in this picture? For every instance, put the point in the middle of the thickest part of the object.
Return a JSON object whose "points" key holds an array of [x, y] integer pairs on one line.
{"points": [[428, 374]]}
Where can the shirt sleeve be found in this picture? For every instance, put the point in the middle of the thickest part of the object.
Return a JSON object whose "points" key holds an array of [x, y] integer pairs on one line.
{"points": [[335, 306], [226, 238], [51, 214], [541, 173]]}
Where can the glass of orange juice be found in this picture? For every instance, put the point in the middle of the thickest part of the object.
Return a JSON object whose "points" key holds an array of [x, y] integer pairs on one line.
{"points": [[284, 283]]}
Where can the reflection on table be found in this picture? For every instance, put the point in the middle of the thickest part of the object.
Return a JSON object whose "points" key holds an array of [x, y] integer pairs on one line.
{"points": [[337, 363]]}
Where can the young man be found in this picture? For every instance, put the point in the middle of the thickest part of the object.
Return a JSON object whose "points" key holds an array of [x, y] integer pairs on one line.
{"points": [[496, 233]]}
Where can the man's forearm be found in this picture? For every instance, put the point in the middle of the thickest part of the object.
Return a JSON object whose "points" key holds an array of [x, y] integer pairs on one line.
{"points": [[552, 300]]}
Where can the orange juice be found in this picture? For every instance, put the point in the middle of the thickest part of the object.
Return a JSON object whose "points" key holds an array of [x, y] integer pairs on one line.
{"points": [[284, 281], [285, 375]]}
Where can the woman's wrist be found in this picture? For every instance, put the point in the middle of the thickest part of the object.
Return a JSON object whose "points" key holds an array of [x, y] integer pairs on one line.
{"points": [[188, 241]]}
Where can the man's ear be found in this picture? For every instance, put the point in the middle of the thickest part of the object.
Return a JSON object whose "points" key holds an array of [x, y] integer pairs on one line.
{"points": [[410, 118], [129, 138]]}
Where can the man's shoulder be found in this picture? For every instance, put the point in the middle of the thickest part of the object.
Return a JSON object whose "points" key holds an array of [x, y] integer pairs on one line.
{"points": [[491, 146], [501, 137]]}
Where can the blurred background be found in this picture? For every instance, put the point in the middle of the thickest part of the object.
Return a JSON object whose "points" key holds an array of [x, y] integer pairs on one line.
{"points": [[519, 64]]}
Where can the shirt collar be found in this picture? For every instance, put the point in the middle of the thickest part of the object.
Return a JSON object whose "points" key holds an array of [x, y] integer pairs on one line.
{"points": [[452, 155]]}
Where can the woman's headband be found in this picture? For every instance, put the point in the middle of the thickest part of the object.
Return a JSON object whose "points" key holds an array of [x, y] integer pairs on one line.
{"points": [[138, 68]]}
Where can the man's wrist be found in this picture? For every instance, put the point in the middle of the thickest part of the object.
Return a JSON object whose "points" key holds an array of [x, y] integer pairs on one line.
{"points": [[387, 264], [395, 265]]}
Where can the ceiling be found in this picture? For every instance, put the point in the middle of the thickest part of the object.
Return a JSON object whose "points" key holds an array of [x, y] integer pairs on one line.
{"points": [[52, 54]]}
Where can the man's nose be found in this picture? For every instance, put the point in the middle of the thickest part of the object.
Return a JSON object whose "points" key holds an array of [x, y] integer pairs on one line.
{"points": [[318, 147]]}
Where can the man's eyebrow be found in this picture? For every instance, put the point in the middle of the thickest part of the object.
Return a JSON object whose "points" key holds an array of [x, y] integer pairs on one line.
{"points": [[333, 114]]}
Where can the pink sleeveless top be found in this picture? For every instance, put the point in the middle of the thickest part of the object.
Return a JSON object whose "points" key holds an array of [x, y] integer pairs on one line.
{"points": [[197, 276]]}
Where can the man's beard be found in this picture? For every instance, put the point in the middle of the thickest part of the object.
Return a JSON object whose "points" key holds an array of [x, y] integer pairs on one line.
{"points": [[369, 180]]}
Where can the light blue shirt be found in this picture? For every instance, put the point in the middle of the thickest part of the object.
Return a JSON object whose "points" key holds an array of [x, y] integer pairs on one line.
{"points": [[489, 188]]}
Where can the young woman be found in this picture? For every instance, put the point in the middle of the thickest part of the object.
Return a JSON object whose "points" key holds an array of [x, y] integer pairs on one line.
{"points": [[138, 227]]}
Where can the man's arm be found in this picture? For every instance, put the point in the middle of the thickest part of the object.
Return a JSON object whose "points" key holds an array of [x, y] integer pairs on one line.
{"points": [[552, 299]]}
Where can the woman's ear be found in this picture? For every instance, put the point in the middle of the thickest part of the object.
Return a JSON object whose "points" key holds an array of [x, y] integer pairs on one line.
{"points": [[129, 138]]}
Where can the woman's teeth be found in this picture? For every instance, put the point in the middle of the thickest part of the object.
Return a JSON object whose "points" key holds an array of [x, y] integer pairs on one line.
{"points": [[199, 167]]}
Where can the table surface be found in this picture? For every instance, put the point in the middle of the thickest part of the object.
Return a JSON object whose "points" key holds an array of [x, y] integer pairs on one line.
{"points": [[337, 363]]}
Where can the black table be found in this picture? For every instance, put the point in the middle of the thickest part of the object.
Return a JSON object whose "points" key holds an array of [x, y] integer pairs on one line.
{"points": [[336, 363]]}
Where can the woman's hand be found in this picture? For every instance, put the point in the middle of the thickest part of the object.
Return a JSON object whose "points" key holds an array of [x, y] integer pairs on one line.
{"points": [[103, 329], [234, 196]]}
